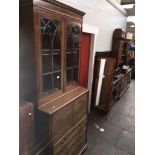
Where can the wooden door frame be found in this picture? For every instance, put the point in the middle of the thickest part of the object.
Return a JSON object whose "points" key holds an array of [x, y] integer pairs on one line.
{"points": [[93, 31]]}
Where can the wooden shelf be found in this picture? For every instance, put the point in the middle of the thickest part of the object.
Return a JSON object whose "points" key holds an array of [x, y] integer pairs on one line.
{"points": [[48, 73], [46, 54], [46, 50], [72, 67]]}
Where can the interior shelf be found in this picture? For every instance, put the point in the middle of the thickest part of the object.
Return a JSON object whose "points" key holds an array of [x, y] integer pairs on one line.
{"points": [[52, 72]]}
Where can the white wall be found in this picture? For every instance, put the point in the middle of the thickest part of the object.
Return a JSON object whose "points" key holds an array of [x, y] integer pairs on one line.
{"points": [[104, 16]]}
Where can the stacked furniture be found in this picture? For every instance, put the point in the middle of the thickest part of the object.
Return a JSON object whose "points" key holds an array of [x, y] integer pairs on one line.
{"points": [[120, 47], [103, 79], [120, 50], [116, 80], [50, 45], [116, 91], [121, 84]]}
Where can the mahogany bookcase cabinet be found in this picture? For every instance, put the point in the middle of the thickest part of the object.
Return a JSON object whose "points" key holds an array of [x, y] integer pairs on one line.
{"points": [[120, 47], [50, 44]]}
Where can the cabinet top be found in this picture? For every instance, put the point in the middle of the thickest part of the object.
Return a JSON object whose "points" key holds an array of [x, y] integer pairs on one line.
{"points": [[63, 100], [54, 3], [64, 6]]}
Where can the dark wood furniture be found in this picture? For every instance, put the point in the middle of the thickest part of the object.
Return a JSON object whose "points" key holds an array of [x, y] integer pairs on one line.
{"points": [[103, 79], [26, 127], [50, 45], [120, 50], [120, 47], [120, 84], [116, 89], [66, 119], [125, 81], [53, 31]]}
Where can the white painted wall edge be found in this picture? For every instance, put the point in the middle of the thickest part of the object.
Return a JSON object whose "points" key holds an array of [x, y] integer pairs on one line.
{"points": [[93, 31], [117, 6], [90, 29]]}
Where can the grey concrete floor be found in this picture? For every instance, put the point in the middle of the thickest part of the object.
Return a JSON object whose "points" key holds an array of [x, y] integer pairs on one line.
{"points": [[115, 136]]}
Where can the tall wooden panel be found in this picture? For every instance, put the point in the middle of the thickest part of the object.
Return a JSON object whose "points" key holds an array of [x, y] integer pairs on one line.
{"points": [[103, 84]]}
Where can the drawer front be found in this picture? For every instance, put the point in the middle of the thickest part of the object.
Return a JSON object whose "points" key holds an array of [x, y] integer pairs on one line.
{"points": [[77, 145], [68, 116], [63, 145], [67, 144], [73, 146], [80, 108], [63, 121], [82, 143]]}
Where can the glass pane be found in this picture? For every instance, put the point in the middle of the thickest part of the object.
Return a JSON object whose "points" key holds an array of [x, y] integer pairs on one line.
{"points": [[69, 62], [46, 41], [73, 33], [75, 74], [69, 39], [57, 80], [47, 83], [69, 76], [76, 58], [76, 40], [51, 53], [72, 57], [46, 61], [56, 62], [56, 41]]}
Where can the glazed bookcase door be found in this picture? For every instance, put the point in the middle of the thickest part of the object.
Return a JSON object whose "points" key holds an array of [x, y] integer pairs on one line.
{"points": [[51, 55], [72, 53]]}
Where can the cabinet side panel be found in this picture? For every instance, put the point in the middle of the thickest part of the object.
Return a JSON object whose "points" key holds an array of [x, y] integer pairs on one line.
{"points": [[27, 78]]}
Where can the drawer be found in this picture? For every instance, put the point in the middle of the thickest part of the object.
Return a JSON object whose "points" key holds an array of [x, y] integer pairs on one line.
{"points": [[80, 108], [75, 146], [67, 117], [63, 144], [63, 121], [78, 145], [75, 134]]}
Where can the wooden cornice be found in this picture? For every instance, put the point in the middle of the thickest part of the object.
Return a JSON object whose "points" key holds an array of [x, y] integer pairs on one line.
{"points": [[125, 2], [55, 3], [65, 7]]}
